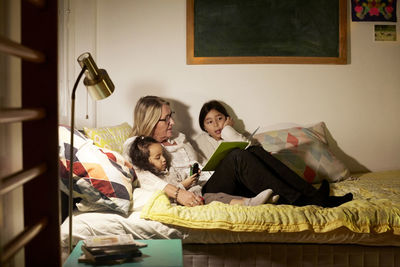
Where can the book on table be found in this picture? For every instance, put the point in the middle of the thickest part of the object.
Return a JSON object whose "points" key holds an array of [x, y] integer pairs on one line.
{"points": [[110, 249]]}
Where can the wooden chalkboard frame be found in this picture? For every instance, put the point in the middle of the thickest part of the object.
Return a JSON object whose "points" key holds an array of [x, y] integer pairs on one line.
{"points": [[191, 59]]}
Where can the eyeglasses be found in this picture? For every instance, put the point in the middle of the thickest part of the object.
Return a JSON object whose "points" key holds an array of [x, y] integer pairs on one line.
{"points": [[167, 118]]}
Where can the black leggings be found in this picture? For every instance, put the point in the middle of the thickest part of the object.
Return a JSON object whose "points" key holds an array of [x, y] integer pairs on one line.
{"points": [[248, 172]]}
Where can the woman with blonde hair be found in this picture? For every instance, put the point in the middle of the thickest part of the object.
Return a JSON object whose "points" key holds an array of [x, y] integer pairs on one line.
{"points": [[147, 113], [153, 117]]}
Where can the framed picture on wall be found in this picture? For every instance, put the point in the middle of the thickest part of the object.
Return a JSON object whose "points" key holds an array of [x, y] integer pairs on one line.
{"points": [[385, 33], [378, 10], [273, 31]]}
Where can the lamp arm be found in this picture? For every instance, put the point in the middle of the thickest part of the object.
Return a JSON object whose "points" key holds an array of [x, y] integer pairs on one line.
{"points": [[84, 68], [71, 157]]}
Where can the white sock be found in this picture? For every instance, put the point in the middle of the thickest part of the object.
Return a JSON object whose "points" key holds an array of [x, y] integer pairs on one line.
{"points": [[274, 199], [261, 198]]}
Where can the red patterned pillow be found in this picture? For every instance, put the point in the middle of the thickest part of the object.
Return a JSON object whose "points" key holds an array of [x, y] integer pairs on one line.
{"points": [[305, 151], [102, 178]]}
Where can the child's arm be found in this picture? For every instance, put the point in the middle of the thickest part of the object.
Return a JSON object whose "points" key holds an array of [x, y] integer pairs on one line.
{"points": [[190, 181]]}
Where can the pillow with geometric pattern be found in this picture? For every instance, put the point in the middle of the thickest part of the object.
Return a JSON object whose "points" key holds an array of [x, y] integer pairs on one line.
{"points": [[305, 151], [101, 177], [109, 137]]}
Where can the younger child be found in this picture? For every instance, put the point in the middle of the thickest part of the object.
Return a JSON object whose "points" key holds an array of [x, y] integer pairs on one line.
{"points": [[149, 155]]}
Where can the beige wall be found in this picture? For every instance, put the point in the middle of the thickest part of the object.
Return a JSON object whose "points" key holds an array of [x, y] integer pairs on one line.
{"points": [[142, 44]]}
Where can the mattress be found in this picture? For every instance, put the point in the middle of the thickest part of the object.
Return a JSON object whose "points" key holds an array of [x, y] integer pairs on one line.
{"points": [[378, 192]]}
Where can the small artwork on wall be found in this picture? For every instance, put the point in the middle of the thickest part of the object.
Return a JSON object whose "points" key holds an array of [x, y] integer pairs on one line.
{"points": [[384, 33], [373, 10]]}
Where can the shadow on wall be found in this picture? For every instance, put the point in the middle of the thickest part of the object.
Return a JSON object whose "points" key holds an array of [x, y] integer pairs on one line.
{"points": [[182, 118], [238, 123], [351, 163]]}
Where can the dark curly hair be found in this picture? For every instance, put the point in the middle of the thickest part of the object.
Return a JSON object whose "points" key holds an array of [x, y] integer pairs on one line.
{"points": [[207, 107], [140, 153]]}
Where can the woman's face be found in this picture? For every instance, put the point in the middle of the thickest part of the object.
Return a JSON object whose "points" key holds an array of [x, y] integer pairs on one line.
{"points": [[156, 157], [163, 130], [214, 123]]}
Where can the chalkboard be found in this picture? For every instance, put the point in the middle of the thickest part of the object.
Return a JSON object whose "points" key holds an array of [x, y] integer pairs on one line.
{"points": [[266, 31]]}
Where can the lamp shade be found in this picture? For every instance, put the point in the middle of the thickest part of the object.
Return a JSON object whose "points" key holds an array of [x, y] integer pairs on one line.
{"points": [[97, 81]]}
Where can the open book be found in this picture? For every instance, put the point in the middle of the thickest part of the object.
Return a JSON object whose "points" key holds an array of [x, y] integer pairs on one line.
{"points": [[223, 149], [220, 153]]}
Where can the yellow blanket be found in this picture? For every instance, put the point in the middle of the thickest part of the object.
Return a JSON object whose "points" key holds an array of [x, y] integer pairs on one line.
{"points": [[375, 209]]}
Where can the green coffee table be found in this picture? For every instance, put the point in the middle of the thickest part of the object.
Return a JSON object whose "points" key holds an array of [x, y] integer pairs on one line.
{"points": [[159, 252]]}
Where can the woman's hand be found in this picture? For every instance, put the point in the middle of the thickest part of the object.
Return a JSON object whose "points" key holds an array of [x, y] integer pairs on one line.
{"points": [[189, 199], [229, 121], [190, 181]]}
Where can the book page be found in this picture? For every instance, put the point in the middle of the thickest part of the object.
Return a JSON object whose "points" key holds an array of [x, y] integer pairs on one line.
{"points": [[220, 153], [111, 240]]}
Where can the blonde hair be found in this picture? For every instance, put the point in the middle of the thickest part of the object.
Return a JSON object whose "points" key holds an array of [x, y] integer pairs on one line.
{"points": [[147, 112]]}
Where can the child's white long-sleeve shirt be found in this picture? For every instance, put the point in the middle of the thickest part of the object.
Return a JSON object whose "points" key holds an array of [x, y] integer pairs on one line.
{"points": [[208, 144]]}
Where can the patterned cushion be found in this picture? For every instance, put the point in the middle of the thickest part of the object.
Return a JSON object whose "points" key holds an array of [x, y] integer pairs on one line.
{"points": [[305, 151], [102, 178], [109, 137]]}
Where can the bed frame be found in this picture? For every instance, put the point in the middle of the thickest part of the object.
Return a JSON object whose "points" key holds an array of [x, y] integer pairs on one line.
{"points": [[289, 255], [38, 113]]}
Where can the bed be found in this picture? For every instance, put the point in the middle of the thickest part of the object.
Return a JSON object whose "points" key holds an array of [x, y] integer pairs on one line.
{"points": [[363, 232]]}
